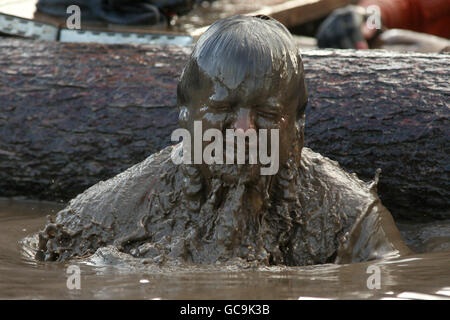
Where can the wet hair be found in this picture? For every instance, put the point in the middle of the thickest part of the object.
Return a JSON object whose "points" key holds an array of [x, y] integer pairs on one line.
{"points": [[255, 48]]}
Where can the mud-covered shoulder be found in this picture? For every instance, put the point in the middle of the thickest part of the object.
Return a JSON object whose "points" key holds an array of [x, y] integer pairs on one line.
{"points": [[332, 200], [344, 188], [358, 226], [106, 213], [325, 182]]}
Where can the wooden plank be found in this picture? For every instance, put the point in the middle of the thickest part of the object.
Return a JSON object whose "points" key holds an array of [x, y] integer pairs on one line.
{"points": [[19, 8], [296, 12], [291, 13]]}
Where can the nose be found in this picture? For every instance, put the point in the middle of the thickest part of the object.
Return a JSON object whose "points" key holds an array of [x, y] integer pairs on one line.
{"points": [[244, 120]]}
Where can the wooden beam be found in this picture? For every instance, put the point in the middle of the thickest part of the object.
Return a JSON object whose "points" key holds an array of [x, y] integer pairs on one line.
{"points": [[292, 12], [296, 12]]}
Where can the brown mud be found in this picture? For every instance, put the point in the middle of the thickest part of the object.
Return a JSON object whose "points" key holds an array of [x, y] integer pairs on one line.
{"points": [[144, 212], [422, 276], [308, 211]]}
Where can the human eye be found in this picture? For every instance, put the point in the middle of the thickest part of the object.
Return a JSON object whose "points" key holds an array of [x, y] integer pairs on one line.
{"points": [[268, 113], [219, 107]]}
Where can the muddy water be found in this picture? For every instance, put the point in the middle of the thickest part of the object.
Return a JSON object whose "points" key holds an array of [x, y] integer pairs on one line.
{"points": [[421, 276]]}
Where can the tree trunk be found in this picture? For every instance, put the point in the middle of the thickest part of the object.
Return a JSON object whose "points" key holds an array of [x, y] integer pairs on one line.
{"points": [[74, 114]]}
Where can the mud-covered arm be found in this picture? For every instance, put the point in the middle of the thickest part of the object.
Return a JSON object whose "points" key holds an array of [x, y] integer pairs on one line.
{"points": [[109, 212], [343, 219], [374, 236]]}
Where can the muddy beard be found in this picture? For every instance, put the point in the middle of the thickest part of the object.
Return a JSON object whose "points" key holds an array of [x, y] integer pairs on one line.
{"points": [[211, 219], [248, 217], [236, 174], [244, 177], [243, 218]]}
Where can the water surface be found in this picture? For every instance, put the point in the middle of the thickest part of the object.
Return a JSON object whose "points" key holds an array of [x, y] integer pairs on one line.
{"points": [[421, 276]]}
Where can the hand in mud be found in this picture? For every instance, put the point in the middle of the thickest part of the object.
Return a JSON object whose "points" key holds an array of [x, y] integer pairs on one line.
{"points": [[345, 29]]}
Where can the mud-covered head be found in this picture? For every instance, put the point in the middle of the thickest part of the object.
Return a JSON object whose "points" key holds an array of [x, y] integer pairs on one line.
{"points": [[246, 72]]}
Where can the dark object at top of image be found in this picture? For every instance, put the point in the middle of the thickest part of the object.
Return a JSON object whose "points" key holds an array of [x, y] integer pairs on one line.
{"points": [[120, 11]]}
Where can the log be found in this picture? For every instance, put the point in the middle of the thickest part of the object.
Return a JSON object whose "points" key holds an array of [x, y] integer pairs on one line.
{"points": [[74, 114]]}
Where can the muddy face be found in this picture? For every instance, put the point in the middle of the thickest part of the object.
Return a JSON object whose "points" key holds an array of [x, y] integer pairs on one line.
{"points": [[256, 86], [222, 108]]}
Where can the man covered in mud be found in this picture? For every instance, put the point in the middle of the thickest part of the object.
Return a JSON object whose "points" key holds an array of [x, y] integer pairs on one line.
{"points": [[244, 73]]}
